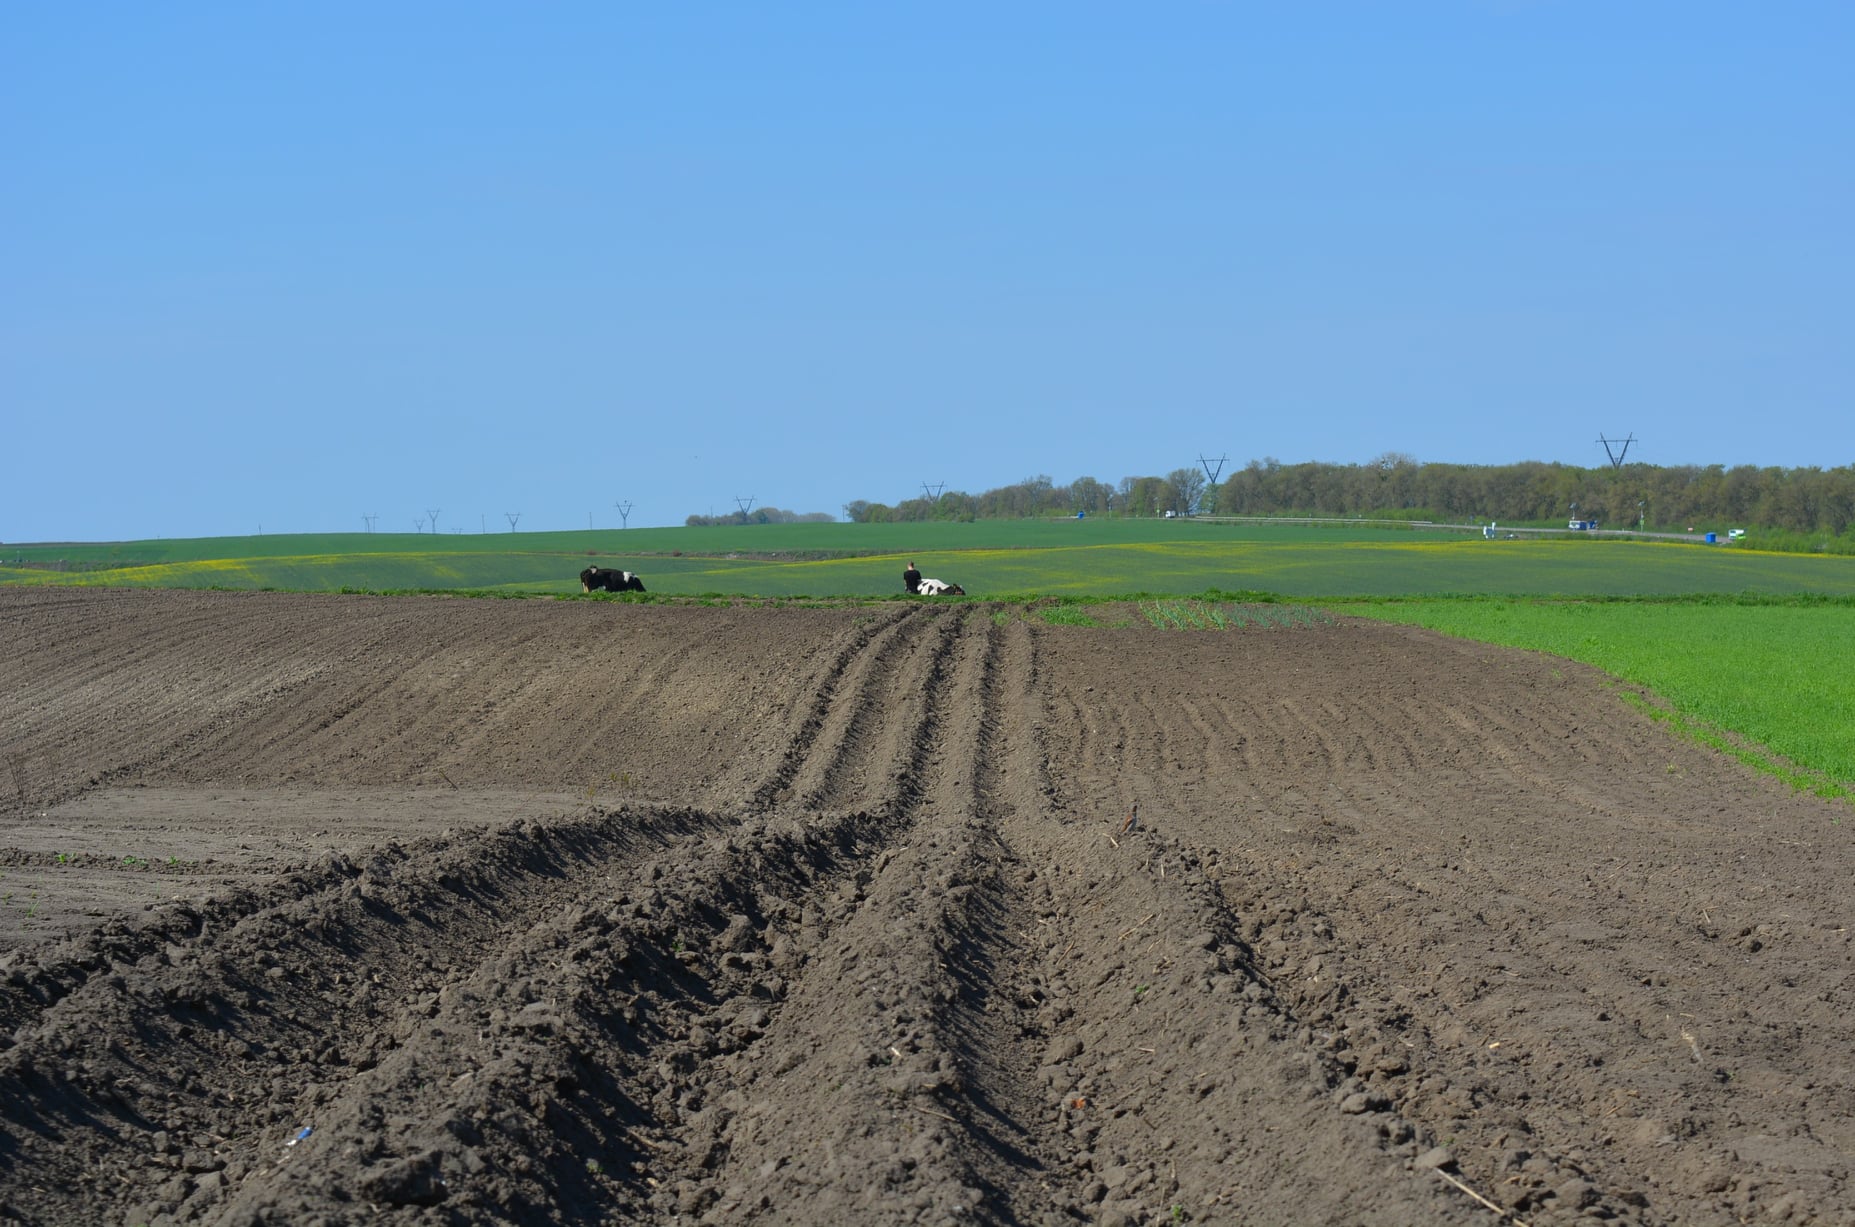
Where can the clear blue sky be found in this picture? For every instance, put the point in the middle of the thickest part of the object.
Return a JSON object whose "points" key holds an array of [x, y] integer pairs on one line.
{"points": [[284, 264]]}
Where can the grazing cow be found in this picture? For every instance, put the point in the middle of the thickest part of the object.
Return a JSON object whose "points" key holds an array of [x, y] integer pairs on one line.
{"points": [[936, 587], [604, 579]]}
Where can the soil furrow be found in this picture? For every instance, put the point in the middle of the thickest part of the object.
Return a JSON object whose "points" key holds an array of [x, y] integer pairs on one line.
{"points": [[558, 1074], [1152, 1011], [820, 700], [862, 1020], [862, 751], [501, 942], [918, 915], [1017, 1146], [291, 985], [1550, 1017]]}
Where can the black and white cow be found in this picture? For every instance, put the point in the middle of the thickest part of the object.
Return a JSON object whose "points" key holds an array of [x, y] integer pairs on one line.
{"points": [[936, 587], [604, 579]]}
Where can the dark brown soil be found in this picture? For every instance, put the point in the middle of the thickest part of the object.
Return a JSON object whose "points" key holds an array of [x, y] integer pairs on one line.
{"points": [[536, 912]]}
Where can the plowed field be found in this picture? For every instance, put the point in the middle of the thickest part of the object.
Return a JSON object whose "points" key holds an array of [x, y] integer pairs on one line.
{"points": [[538, 912]]}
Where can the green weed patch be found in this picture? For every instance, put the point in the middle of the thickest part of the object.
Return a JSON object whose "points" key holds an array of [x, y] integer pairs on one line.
{"points": [[1067, 615]]}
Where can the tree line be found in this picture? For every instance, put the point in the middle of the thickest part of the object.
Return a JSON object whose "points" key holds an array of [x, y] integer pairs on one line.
{"points": [[759, 515], [1182, 492], [1803, 502]]}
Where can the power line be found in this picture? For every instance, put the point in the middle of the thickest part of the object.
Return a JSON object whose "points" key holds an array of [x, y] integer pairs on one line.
{"points": [[746, 505], [624, 512], [1209, 472], [933, 493], [513, 517], [1617, 453], [433, 513]]}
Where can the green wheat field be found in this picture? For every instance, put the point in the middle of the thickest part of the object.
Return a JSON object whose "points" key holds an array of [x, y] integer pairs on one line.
{"points": [[989, 559]]}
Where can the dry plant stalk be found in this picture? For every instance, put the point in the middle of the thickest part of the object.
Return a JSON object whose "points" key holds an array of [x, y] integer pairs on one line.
{"points": [[1135, 925], [1506, 1214]]}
